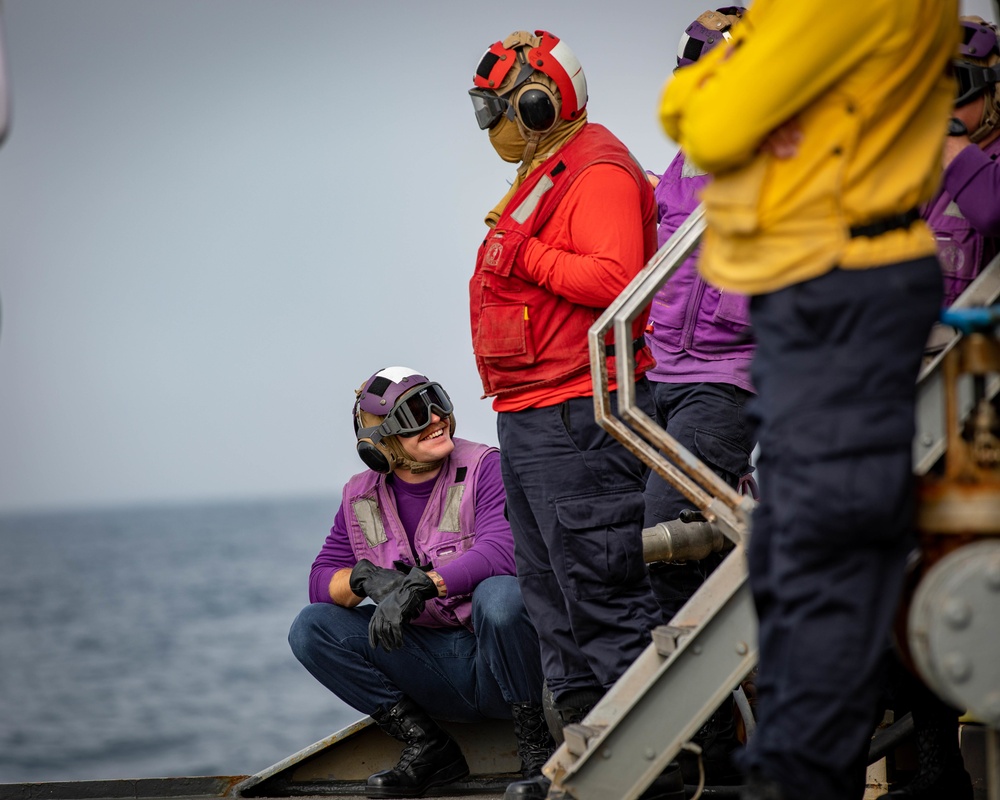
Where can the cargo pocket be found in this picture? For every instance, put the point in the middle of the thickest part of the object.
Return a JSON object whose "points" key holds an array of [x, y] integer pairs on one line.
{"points": [[734, 311], [725, 457], [502, 330], [602, 541]]}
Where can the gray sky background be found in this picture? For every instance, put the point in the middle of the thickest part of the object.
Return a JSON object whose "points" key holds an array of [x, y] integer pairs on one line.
{"points": [[218, 218]]}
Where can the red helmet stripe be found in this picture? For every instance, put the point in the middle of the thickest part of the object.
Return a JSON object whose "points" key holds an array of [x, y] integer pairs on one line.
{"points": [[555, 59], [494, 66]]}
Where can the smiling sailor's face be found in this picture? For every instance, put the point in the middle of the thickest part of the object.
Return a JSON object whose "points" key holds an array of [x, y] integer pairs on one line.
{"points": [[433, 443]]}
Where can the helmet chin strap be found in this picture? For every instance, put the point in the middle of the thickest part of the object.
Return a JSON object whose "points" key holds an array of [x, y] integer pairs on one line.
{"points": [[990, 119], [531, 140]]}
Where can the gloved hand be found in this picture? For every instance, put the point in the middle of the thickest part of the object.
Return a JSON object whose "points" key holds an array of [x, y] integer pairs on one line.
{"points": [[401, 606], [367, 580]]}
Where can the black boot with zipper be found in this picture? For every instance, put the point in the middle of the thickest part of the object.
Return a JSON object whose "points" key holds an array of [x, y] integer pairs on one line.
{"points": [[431, 758]]}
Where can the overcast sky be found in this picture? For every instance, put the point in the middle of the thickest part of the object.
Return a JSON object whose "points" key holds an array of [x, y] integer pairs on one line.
{"points": [[217, 217]]}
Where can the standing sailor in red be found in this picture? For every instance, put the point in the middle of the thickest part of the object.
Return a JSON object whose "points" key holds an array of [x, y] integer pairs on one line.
{"points": [[578, 223]]}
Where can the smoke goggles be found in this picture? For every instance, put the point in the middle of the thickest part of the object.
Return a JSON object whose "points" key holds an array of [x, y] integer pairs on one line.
{"points": [[489, 107], [412, 411], [973, 80]]}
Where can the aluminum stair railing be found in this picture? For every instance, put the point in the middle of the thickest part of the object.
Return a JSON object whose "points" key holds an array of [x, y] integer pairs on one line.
{"points": [[710, 645]]}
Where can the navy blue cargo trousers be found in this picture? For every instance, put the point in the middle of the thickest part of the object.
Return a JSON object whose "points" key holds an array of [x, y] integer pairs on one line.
{"points": [[575, 504], [835, 368]]}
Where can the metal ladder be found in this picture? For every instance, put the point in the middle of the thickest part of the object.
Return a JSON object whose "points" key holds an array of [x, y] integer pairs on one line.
{"points": [[710, 646]]}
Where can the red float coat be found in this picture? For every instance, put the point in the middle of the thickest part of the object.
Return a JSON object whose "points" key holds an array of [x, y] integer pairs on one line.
{"points": [[578, 229]]}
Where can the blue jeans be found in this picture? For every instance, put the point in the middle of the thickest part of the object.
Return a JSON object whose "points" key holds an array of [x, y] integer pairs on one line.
{"points": [[574, 499], [835, 368], [453, 673]]}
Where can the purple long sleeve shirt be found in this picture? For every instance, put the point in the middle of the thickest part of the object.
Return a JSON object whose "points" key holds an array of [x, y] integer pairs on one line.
{"points": [[973, 180], [492, 553]]}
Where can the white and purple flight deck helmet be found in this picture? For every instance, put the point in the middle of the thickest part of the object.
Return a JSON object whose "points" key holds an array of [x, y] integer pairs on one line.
{"points": [[706, 32], [396, 402]]}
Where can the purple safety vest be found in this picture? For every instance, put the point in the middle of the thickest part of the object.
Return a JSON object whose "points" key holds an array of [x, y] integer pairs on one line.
{"points": [[688, 315], [446, 530], [962, 250]]}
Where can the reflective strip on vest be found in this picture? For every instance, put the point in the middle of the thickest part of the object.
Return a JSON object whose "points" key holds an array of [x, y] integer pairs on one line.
{"points": [[527, 206], [370, 520]]}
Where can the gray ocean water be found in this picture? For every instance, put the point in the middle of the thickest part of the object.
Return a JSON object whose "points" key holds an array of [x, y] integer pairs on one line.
{"points": [[151, 642]]}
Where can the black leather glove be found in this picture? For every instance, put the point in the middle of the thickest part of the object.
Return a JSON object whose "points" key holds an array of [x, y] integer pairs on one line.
{"points": [[367, 580], [398, 608]]}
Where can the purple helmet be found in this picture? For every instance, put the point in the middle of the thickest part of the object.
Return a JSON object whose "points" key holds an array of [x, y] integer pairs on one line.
{"points": [[383, 389], [976, 70], [979, 38], [396, 402], [706, 32]]}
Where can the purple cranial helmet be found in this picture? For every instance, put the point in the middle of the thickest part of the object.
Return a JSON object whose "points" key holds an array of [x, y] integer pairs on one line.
{"points": [[396, 402], [979, 51], [706, 32], [381, 391], [979, 38], [977, 72]]}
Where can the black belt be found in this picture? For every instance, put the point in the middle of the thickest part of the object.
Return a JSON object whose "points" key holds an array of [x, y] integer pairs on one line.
{"points": [[637, 345], [877, 228]]}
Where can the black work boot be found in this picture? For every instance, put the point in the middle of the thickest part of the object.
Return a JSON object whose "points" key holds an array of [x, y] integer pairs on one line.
{"points": [[534, 741], [941, 771], [534, 746], [431, 757], [573, 708]]}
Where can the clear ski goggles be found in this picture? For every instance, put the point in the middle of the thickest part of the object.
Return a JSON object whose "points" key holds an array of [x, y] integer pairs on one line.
{"points": [[489, 107], [412, 411], [973, 80]]}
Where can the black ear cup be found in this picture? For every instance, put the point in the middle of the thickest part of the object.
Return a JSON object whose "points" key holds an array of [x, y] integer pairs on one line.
{"points": [[536, 110], [373, 457]]}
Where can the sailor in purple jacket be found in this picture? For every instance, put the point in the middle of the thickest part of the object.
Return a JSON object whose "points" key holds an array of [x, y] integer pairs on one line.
{"points": [[701, 340], [965, 213], [422, 533]]}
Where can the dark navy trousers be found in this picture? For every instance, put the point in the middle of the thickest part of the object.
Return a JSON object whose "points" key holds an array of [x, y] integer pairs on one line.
{"points": [[575, 503], [453, 673], [709, 420], [836, 366]]}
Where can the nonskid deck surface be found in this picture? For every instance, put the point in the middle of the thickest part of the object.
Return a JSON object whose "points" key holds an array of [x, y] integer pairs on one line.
{"points": [[214, 788]]}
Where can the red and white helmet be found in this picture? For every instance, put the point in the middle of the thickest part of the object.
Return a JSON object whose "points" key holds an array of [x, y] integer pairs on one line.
{"points": [[542, 53]]}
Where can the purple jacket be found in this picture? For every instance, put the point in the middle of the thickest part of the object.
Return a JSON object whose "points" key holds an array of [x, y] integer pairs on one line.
{"points": [[462, 532], [965, 217], [698, 333]]}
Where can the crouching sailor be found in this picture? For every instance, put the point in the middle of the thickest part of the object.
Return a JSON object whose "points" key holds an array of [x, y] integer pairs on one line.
{"points": [[422, 533]]}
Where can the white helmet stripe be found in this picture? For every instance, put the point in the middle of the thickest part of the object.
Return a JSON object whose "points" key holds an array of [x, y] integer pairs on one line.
{"points": [[396, 374], [567, 59]]}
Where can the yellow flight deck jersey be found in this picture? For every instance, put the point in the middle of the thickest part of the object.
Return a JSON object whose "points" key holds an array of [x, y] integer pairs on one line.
{"points": [[868, 86]]}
